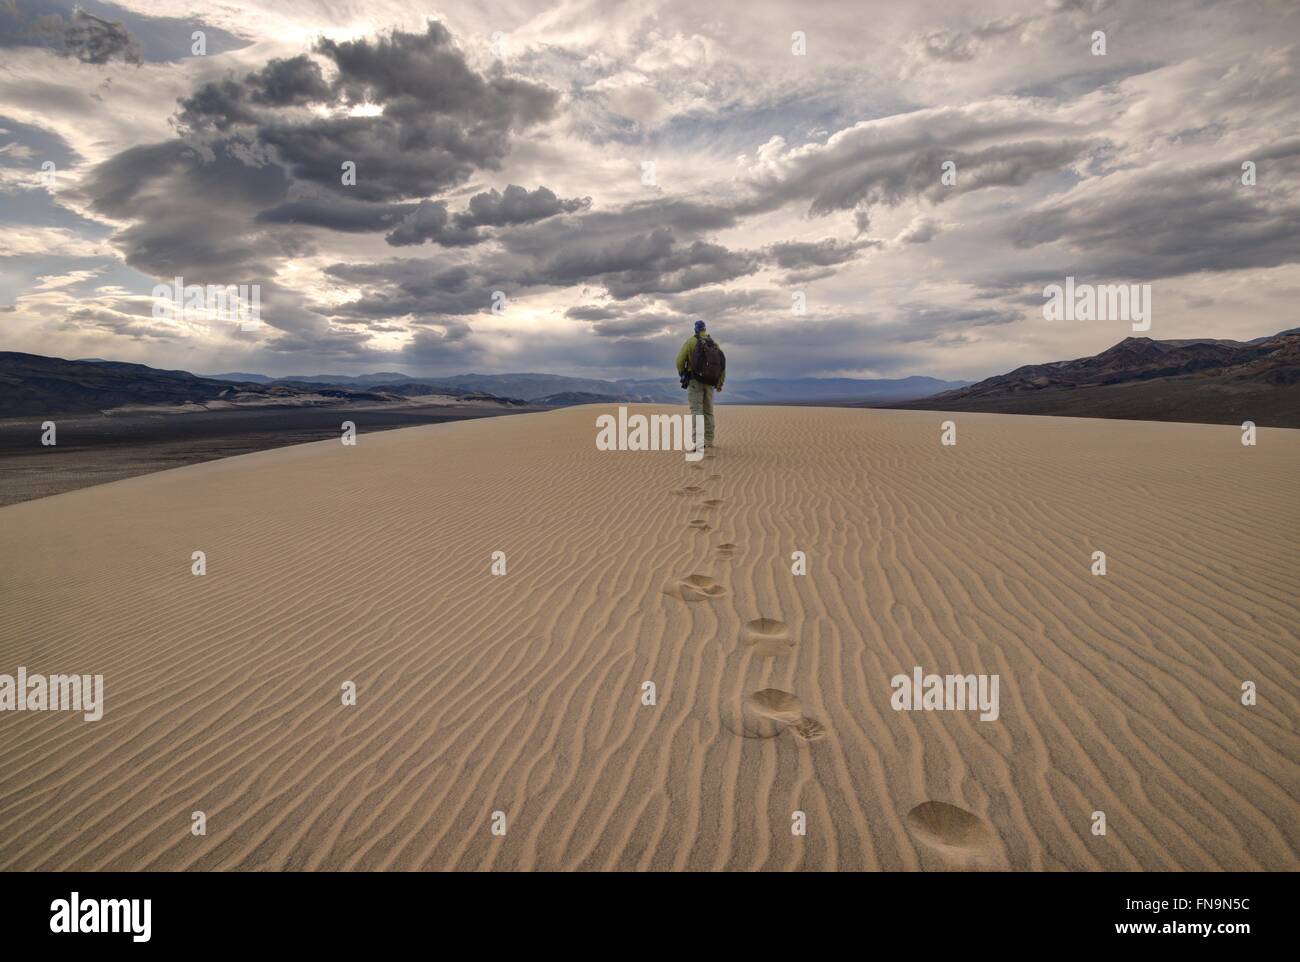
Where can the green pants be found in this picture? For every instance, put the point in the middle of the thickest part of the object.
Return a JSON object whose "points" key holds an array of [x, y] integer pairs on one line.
{"points": [[700, 397]]}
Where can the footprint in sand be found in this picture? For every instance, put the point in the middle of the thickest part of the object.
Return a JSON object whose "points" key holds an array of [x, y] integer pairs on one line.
{"points": [[775, 704], [768, 637], [715, 477], [699, 524], [713, 503], [695, 588], [771, 711], [727, 550], [951, 830]]}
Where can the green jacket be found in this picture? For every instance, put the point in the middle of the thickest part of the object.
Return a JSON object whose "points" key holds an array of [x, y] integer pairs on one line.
{"points": [[684, 359]]}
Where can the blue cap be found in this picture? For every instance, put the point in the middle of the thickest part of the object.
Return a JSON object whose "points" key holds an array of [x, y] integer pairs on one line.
{"points": [[699, 326]]}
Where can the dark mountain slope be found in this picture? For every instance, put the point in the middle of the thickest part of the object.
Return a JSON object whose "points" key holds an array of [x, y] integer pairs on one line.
{"points": [[1216, 382]]}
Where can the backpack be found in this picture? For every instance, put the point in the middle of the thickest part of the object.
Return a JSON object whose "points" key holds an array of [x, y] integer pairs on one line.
{"points": [[707, 361]]}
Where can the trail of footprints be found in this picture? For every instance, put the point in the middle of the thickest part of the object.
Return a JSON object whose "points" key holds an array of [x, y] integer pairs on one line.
{"points": [[771, 711], [946, 829]]}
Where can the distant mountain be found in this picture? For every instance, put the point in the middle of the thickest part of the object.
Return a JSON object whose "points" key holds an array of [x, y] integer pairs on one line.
{"points": [[570, 398], [1258, 340], [36, 386], [833, 389], [540, 388], [239, 377], [1210, 381], [360, 380], [530, 387], [422, 389]]}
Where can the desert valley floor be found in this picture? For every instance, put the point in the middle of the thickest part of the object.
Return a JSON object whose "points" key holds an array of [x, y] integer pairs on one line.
{"points": [[522, 693]]}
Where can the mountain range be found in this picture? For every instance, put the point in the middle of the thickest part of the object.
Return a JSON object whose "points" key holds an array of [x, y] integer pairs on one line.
{"points": [[1206, 380], [1209, 381], [32, 385], [555, 389]]}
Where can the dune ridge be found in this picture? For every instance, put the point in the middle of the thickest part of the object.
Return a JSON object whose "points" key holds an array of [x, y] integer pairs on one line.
{"points": [[522, 693]]}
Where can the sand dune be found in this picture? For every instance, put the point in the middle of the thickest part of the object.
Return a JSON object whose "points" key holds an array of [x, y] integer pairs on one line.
{"points": [[522, 693]]}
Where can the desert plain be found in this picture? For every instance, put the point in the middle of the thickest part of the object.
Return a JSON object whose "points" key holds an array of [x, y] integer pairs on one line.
{"points": [[567, 658]]}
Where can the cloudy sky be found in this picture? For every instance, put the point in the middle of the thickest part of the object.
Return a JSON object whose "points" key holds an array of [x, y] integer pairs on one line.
{"points": [[617, 169]]}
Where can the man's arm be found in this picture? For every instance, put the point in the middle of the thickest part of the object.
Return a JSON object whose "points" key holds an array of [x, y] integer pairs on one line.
{"points": [[723, 376], [684, 356]]}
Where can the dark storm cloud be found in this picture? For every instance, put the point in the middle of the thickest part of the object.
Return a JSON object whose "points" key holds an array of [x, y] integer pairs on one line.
{"points": [[339, 214], [93, 40], [114, 184], [258, 164], [933, 323], [281, 83], [288, 82], [222, 204], [809, 346], [1166, 223], [614, 249], [452, 348], [516, 206], [902, 159], [395, 159], [430, 221], [192, 215], [591, 313], [416, 74], [190, 210], [409, 75], [794, 255], [426, 222], [637, 326], [63, 27], [795, 278], [79, 35], [440, 119], [729, 306], [398, 288], [656, 247], [656, 262], [616, 322], [594, 229], [218, 105]]}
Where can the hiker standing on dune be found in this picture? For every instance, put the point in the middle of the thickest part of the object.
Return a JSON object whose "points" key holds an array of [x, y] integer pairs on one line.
{"points": [[702, 367]]}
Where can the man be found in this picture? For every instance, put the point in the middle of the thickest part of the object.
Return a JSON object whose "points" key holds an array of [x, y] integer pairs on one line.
{"points": [[703, 368]]}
